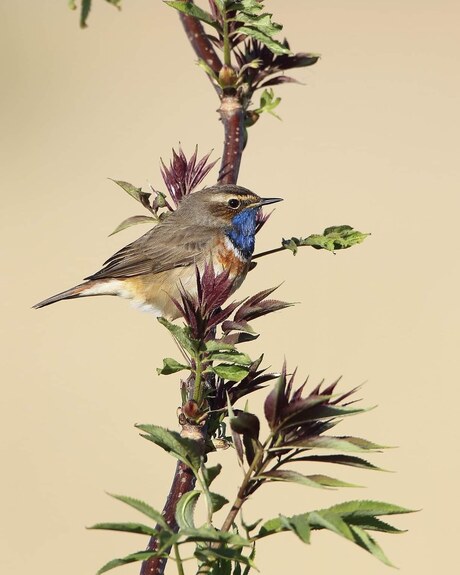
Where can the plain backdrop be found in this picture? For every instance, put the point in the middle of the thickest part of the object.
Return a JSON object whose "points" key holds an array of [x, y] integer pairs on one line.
{"points": [[371, 139]]}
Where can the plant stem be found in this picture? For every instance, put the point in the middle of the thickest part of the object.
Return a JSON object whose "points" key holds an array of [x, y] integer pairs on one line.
{"points": [[269, 252], [232, 115], [227, 59], [180, 567]]}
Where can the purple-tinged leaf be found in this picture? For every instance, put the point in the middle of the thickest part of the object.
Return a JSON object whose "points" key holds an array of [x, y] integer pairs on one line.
{"points": [[245, 423], [318, 480], [349, 460], [282, 79], [276, 400], [340, 443], [237, 326]]}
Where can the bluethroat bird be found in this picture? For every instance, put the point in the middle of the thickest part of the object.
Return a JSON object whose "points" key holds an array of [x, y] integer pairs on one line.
{"points": [[215, 225]]}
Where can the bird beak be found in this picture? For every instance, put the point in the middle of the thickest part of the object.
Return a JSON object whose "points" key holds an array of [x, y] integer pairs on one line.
{"points": [[266, 201]]}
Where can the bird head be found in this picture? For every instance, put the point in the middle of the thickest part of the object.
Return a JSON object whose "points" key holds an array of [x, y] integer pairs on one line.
{"points": [[223, 204]]}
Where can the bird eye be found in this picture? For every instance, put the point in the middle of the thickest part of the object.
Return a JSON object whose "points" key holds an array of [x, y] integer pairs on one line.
{"points": [[234, 203]]}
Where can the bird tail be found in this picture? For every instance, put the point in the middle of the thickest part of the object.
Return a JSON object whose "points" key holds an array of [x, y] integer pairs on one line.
{"points": [[81, 290]]}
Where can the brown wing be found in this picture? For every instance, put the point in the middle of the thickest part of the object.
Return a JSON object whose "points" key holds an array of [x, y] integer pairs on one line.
{"points": [[162, 248]]}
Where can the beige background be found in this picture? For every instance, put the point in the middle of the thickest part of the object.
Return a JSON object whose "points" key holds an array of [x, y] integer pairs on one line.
{"points": [[371, 140]]}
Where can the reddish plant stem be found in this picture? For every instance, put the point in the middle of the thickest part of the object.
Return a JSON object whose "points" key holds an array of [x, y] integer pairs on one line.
{"points": [[232, 115], [183, 481]]}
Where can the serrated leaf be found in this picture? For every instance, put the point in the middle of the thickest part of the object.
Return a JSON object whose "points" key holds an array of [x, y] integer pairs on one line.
{"points": [[210, 473], [181, 334], [185, 509], [191, 9], [133, 221], [342, 443], [216, 345], [350, 460], [261, 22], [230, 372], [273, 45], [227, 553], [365, 541], [132, 558], [170, 366], [130, 527], [333, 238], [316, 480], [366, 508], [332, 522], [143, 508], [186, 450], [374, 524], [298, 525], [208, 533], [218, 501]]}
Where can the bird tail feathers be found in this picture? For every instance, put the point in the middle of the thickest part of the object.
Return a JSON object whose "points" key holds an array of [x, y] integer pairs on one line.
{"points": [[74, 292]]}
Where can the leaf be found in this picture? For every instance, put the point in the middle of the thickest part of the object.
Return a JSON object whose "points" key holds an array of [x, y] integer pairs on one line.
{"points": [[332, 522], [262, 22], [127, 527], [374, 524], [367, 508], [143, 508], [134, 192], [273, 45], [350, 460], [207, 533], [218, 345], [343, 443], [170, 366], [210, 473], [211, 553], [181, 334], [333, 238], [186, 450], [268, 103], [276, 400], [246, 423], [365, 541], [132, 221], [233, 357], [321, 481], [185, 509], [191, 9], [84, 13], [218, 501], [299, 525], [230, 372], [132, 558]]}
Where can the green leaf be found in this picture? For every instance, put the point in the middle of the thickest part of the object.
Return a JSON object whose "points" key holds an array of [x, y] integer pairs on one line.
{"points": [[298, 525], [211, 553], [332, 522], [84, 12], [143, 508], [233, 357], [170, 366], [181, 335], [273, 45], [374, 524], [343, 443], [230, 372], [134, 192], [261, 22], [184, 449], [216, 345], [127, 527], [185, 509], [268, 103], [246, 424], [132, 558], [210, 473], [191, 9], [333, 238], [317, 480], [218, 501], [367, 508], [207, 533], [350, 460], [132, 221], [365, 541]]}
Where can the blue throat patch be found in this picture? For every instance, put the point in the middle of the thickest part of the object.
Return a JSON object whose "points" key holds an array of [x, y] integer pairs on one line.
{"points": [[243, 230]]}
